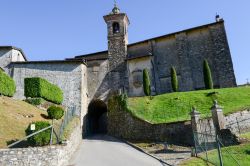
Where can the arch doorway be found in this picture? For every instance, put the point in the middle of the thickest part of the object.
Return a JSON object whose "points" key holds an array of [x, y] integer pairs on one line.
{"points": [[97, 118]]}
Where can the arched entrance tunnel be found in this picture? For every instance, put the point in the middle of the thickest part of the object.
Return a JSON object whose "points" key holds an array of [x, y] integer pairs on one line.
{"points": [[97, 118]]}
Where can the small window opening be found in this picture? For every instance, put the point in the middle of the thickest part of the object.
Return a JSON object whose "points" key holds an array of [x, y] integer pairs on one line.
{"points": [[116, 27]]}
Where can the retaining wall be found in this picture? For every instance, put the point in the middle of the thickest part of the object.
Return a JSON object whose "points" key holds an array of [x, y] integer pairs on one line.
{"points": [[42, 156]]}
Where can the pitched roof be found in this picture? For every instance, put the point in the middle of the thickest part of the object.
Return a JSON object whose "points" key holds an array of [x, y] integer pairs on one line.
{"points": [[82, 61], [15, 48], [104, 54]]}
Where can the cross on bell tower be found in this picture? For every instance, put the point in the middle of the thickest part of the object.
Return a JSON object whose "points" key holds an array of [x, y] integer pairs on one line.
{"points": [[117, 24]]}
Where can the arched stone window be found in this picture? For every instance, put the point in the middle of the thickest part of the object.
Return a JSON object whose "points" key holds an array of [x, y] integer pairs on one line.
{"points": [[116, 27]]}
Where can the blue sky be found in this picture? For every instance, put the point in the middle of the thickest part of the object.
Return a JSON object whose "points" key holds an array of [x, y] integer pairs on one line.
{"points": [[58, 29]]}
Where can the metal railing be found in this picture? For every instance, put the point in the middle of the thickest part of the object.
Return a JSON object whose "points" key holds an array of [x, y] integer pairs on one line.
{"points": [[210, 148]]}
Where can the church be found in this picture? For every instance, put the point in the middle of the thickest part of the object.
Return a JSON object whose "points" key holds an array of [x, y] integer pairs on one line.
{"points": [[86, 79]]}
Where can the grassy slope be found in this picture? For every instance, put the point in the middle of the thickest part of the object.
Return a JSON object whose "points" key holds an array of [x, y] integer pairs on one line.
{"points": [[174, 107], [13, 121], [241, 153]]}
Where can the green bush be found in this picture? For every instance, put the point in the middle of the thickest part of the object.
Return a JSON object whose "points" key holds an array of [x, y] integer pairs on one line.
{"points": [[7, 85], [146, 83], [55, 112], [35, 101], [39, 87], [207, 75], [42, 138], [174, 80]]}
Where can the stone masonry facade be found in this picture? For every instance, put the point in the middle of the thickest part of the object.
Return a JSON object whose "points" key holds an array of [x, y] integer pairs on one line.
{"points": [[42, 156], [123, 124]]}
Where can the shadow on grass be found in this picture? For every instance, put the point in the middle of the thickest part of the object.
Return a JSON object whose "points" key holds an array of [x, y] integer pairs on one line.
{"points": [[23, 144], [45, 116]]}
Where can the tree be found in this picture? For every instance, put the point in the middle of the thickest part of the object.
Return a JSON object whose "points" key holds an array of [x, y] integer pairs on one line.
{"points": [[146, 83], [174, 80], [207, 75], [55, 112]]}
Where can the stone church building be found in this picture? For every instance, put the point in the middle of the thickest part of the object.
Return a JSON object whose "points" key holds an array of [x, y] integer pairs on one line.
{"points": [[88, 80]]}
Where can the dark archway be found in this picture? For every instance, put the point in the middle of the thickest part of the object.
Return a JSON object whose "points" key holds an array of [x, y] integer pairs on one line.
{"points": [[97, 118]]}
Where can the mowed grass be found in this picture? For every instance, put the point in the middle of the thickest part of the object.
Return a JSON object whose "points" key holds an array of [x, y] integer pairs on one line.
{"points": [[245, 135], [15, 116], [174, 107], [240, 152]]}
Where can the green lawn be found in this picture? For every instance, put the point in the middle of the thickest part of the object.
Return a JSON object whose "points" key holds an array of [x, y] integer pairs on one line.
{"points": [[241, 153], [173, 107], [245, 135]]}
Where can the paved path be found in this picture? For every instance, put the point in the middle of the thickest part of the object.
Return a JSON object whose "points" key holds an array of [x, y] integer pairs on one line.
{"points": [[103, 150]]}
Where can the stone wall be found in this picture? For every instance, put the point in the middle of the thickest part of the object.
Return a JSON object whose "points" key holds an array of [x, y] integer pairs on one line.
{"points": [[238, 123], [135, 72], [186, 51], [42, 156], [123, 124], [71, 77], [97, 71]]}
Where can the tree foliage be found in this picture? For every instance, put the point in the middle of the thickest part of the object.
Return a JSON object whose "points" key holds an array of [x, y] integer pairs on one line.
{"points": [[146, 82], [38, 87], [174, 80], [42, 138], [208, 80], [7, 85], [55, 112]]}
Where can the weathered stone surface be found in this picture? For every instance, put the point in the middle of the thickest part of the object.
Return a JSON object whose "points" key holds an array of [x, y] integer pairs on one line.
{"points": [[185, 51], [124, 125], [70, 77], [42, 156]]}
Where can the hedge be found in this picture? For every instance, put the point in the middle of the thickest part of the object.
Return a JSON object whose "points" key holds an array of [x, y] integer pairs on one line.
{"points": [[55, 112], [42, 138], [174, 80], [7, 85], [35, 101], [38, 87], [146, 83], [208, 80]]}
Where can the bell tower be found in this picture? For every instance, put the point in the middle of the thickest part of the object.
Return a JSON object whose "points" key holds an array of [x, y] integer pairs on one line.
{"points": [[117, 24]]}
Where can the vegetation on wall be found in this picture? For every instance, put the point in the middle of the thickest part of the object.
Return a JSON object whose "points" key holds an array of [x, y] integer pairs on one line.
{"points": [[146, 83], [42, 138], [208, 80], [7, 85], [38, 87], [55, 112], [174, 80]]}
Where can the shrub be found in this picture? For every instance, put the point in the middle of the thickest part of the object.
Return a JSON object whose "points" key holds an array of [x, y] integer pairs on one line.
{"points": [[35, 101], [146, 83], [174, 80], [42, 138], [7, 85], [39, 87], [207, 75], [55, 112]]}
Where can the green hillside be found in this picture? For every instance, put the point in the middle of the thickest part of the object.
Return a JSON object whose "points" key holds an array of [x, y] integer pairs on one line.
{"points": [[173, 107], [15, 116]]}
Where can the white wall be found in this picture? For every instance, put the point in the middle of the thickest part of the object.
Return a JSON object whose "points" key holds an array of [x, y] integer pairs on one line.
{"points": [[136, 67]]}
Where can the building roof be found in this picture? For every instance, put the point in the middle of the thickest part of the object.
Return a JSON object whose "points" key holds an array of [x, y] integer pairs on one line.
{"points": [[81, 61], [15, 48], [104, 54]]}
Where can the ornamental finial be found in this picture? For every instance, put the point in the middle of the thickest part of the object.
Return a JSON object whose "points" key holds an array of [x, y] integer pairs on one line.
{"points": [[115, 10]]}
